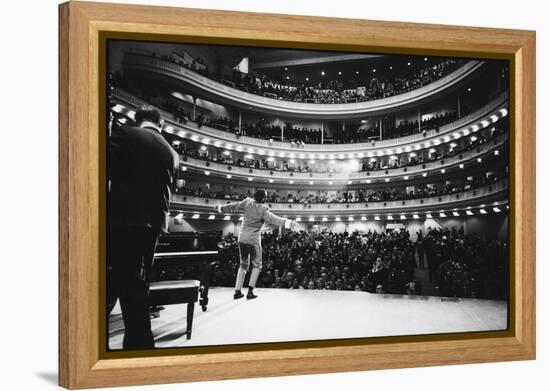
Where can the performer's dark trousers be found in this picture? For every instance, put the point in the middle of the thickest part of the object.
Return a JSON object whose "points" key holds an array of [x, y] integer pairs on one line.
{"points": [[129, 260]]}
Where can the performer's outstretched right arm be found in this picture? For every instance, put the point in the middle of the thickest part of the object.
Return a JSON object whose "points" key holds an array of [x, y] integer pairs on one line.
{"points": [[272, 219]]}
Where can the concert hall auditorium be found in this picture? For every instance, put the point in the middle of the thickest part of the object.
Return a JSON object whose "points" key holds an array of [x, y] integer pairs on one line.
{"points": [[378, 184]]}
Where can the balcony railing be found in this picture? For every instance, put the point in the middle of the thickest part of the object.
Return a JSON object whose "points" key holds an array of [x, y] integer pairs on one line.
{"points": [[478, 197], [219, 137], [279, 176], [244, 99]]}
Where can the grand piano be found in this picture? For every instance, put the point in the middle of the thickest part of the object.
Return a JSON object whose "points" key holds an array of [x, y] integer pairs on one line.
{"points": [[188, 256]]}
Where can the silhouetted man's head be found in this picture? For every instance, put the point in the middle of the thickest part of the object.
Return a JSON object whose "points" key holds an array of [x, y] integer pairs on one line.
{"points": [[260, 195], [147, 113]]}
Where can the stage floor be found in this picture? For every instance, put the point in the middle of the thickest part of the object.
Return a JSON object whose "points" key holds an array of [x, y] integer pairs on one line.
{"points": [[279, 315]]}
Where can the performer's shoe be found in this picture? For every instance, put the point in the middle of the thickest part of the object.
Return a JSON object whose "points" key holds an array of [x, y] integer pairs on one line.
{"points": [[250, 295], [237, 295]]}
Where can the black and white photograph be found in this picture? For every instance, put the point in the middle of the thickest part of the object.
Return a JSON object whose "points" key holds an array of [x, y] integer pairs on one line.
{"points": [[265, 195]]}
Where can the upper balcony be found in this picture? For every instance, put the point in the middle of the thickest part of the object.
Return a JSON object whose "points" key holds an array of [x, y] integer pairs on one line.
{"points": [[471, 123], [195, 83]]}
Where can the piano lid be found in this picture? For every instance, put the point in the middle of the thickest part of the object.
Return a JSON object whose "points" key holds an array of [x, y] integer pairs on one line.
{"points": [[189, 243]]}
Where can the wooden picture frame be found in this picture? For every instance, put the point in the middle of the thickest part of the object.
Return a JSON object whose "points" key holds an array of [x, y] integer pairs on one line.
{"points": [[81, 27]]}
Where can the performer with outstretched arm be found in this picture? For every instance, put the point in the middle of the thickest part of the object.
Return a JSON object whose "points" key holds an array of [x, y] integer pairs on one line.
{"points": [[255, 214]]}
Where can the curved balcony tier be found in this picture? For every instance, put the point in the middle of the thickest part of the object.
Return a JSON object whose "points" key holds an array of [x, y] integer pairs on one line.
{"points": [[194, 83], [213, 168], [479, 119], [488, 196]]}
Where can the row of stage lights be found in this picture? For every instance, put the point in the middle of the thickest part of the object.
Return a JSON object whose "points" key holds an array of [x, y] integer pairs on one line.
{"points": [[350, 155], [373, 70], [387, 217], [331, 156], [340, 156], [349, 182]]}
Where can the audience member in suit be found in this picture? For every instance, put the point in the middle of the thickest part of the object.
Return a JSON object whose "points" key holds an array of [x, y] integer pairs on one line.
{"points": [[142, 168], [420, 248], [378, 277]]}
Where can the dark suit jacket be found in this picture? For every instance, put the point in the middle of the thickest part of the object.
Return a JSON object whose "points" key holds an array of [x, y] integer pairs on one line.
{"points": [[142, 167]]}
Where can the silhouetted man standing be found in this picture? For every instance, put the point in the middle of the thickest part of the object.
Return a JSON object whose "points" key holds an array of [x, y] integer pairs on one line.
{"points": [[142, 168]]}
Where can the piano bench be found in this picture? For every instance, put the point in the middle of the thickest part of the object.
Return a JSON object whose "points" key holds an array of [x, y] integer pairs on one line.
{"points": [[176, 292]]}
